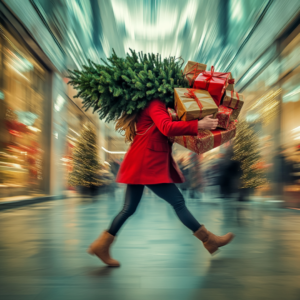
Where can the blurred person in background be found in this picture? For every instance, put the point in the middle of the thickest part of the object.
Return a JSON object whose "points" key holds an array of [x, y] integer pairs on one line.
{"points": [[280, 173], [211, 176], [229, 175], [184, 168], [194, 175], [149, 162], [115, 165]]}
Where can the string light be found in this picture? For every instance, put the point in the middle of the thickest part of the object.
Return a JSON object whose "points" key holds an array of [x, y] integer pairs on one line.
{"points": [[268, 106], [113, 152], [33, 128], [74, 131]]}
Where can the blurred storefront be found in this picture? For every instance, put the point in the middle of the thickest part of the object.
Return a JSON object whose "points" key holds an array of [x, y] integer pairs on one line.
{"points": [[39, 119], [273, 107], [23, 82]]}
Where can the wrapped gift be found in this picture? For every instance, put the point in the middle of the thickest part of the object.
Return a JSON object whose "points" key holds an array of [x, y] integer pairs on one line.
{"points": [[224, 116], [192, 70], [213, 82], [235, 101], [173, 114], [231, 82], [191, 104], [206, 139]]}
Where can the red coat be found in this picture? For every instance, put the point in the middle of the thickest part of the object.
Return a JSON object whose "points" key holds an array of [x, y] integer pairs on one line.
{"points": [[149, 159]]}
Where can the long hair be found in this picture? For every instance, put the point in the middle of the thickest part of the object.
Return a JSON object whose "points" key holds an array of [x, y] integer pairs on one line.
{"points": [[126, 123]]}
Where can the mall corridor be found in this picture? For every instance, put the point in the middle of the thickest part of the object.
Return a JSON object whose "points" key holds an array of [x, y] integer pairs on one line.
{"points": [[42, 252]]}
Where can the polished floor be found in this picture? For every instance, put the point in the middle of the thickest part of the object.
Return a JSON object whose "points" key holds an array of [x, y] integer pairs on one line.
{"points": [[42, 252]]}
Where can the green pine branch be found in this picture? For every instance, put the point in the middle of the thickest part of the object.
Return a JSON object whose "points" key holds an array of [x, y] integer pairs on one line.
{"points": [[127, 84]]}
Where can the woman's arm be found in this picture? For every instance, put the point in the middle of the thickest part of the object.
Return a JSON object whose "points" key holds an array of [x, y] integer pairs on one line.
{"points": [[161, 118], [208, 123]]}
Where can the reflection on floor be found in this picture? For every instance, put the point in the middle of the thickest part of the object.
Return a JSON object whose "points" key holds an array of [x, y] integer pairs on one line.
{"points": [[42, 252]]}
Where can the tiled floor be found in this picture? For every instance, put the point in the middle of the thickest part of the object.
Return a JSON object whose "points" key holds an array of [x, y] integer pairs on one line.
{"points": [[42, 252]]}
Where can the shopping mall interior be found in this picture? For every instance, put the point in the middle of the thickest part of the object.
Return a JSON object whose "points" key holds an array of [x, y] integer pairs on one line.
{"points": [[60, 161]]}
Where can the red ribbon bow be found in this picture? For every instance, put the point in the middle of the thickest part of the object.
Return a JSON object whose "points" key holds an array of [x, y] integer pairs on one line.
{"points": [[210, 76], [231, 81], [191, 94]]}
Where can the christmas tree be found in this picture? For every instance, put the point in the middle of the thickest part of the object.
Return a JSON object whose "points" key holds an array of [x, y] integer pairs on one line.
{"points": [[122, 87], [246, 151], [86, 164]]}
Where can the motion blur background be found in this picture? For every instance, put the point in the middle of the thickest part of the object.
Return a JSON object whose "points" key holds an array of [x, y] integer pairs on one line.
{"points": [[257, 40], [42, 246]]}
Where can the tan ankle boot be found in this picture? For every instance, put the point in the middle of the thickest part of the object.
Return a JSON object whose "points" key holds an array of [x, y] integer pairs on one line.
{"points": [[212, 242], [100, 247]]}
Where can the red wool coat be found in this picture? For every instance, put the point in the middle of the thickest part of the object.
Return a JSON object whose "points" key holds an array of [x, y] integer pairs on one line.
{"points": [[149, 159]]}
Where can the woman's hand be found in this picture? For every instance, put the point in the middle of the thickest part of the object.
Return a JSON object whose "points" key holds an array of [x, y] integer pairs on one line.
{"points": [[208, 123]]}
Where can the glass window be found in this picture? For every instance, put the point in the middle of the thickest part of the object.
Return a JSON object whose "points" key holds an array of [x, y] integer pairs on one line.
{"points": [[21, 122]]}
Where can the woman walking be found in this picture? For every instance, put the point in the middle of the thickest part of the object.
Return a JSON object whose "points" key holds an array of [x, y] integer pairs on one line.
{"points": [[149, 163]]}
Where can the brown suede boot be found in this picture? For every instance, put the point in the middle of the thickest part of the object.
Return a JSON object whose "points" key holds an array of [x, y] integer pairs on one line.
{"points": [[100, 247], [212, 242]]}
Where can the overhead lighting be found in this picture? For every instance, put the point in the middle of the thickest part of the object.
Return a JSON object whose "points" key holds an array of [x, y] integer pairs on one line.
{"points": [[18, 72], [33, 128], [65, 159], [71, 138], [17, 166], [289, 96], [113, 152], [59, 103], [252, 117], [74, 131], [26, 117], [296, 129]]}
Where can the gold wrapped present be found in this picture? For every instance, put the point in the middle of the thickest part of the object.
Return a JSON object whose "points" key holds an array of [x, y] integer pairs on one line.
{"points": [[192, 104], [235, 101], [192, 70]]}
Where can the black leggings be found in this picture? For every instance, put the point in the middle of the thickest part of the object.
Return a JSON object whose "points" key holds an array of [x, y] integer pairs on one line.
{"points": [[166, 191]]}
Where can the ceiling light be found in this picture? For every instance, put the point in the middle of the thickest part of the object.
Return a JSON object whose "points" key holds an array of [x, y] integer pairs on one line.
{"points": [[113, 152]]}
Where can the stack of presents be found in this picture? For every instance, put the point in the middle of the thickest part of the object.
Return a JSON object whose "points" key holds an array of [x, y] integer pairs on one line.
{"points": [[211, 93]]}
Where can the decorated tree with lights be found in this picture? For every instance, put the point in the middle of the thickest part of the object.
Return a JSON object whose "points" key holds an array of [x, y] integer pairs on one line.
{"points": [[246, 151], [86, 164], [122, 87]]}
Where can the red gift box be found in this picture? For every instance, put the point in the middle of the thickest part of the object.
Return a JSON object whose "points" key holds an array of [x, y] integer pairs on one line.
{"points": [[206, 139], [214, 82], [224, 116]]}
